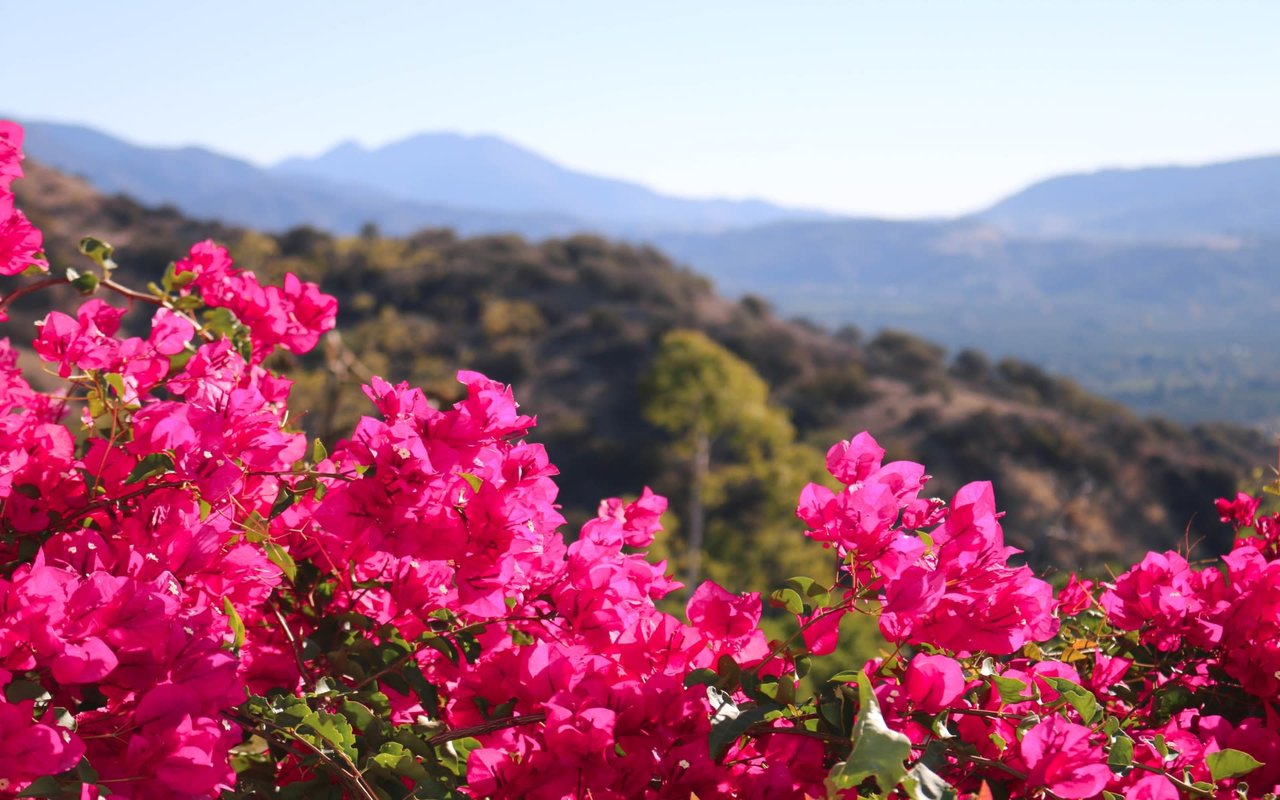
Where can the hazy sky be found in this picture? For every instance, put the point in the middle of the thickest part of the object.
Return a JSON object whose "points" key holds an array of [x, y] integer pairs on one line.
{"points": [[895, 108]]}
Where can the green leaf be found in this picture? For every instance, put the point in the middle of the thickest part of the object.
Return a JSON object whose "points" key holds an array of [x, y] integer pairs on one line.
{"points": [[48, 786], [1230, 763], [1013, 690], [1120, 754], [280, 557], [97, 250], [1080, 698], [728, 670], [923, 783], [400, 760], [474, 481], [173, 280], [358, 714], [426, 691], [284, 499], [116, 381], [816, 593], [788, 599], [878, 751], [444, 646], [331, 729], [237, 624], [188, 302], [1161, 746], [150, 466], [86, 283], [845, 676], [17, 691], [86, 772], [999, 741], [256, 528], [701, 677]]}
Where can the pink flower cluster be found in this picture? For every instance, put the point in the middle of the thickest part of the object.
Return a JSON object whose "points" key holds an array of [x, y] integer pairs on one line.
{"points": [[1142, 686], [950, 588], [295, 315], [116, 612], [20, 241], [453, 513]]}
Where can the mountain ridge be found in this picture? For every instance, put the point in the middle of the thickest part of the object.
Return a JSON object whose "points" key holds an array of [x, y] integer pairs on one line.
{"points": [[474, 199], [205, 183], [488, 171]]}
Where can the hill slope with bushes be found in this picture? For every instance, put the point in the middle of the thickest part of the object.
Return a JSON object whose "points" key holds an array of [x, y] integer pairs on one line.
{"points": [[577, 324]]}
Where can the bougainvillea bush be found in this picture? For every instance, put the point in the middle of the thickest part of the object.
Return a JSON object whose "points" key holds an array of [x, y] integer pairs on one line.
{"points": [[195, 601]]}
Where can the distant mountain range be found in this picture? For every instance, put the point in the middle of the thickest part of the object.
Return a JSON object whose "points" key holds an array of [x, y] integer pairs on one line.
{"points": [[491, 173], [1153, 286], [1233, 198], [479, 184]]}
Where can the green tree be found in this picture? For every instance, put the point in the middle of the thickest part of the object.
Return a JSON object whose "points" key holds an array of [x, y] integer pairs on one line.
{"points": [[717, 411]]}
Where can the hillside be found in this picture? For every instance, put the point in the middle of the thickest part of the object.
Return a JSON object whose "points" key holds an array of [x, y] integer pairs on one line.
{"points": [[1167, 318], [575, 323], [1165, 327], [1186, 203]]}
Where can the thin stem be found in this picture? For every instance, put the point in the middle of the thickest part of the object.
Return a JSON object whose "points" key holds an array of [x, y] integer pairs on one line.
{"points": [[1181, 784], [487, 727], [990, 762], [763, 729], [783, 645], [25, 290], [293, 644]]}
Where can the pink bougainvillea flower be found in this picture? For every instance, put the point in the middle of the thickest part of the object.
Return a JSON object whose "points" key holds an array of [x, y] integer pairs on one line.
{"points": [[1063, 757]]}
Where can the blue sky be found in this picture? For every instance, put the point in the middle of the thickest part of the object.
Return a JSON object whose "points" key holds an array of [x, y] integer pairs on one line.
{"points": [[900, 108]]}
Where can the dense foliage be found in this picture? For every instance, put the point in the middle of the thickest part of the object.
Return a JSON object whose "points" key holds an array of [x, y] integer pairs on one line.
{"points": [[195, 602]]}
